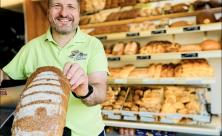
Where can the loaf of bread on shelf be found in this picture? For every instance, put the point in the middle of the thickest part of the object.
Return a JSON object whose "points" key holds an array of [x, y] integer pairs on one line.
{"points": [[180, 24], [131, 48], [181, 7], [190, 48], [124, 73], [205, 18], [118, 49], [139, 73], [201, 5], [219, 19], [43, 104], [114, 72], [210, 45]]}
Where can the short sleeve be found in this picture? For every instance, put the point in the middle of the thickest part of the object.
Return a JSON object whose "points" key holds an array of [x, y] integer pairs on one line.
{"points": [[15, 68], [97, 61]]}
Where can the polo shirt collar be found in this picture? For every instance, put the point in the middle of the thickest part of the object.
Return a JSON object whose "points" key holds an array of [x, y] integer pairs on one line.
{"points": [[78, 38]]}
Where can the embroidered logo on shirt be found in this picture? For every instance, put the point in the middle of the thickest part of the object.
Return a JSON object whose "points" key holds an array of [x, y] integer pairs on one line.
{"points": [[77, 55]]}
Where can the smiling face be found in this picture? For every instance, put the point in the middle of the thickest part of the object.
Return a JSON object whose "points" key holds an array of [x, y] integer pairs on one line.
{"points": [[64, 15]]}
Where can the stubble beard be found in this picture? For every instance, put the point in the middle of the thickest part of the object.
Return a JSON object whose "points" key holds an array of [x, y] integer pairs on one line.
{"points": [[63, 30]]}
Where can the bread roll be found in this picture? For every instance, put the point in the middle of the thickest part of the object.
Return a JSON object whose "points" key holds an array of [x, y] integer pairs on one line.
{"points": [[182, 7], [190, 48], [43, 105], [205, 18], [210, 45], [118, 49], [131, 48], [179, 24], [139, 73]]}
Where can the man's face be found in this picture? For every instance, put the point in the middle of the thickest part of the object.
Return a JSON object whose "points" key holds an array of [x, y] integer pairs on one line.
{"points": [[64, 15]]}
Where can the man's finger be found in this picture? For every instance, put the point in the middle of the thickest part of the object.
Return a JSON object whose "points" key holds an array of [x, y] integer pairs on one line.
{"points": [[76, 77], [67, 67], [73, 70]]}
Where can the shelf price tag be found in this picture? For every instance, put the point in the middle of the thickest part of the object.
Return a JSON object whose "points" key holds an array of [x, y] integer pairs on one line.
{"points": [[132, 34], [156, 32], [146, 57], [102, 37], [189, 55], [116, 117], [191, 28], [128, 113], [120, 81], [149, 81], [194, 81], [167, 81], [113, 58]]}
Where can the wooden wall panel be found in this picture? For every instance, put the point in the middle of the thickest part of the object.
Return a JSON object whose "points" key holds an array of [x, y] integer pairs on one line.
{"points": [[36, 21]]}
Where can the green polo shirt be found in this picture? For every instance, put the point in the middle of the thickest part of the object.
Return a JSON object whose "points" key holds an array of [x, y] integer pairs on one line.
{"points": [[83, 49]]}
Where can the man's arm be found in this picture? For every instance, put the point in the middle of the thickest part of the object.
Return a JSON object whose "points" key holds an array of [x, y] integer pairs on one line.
{"points": [[3, 76], [98, 82]]}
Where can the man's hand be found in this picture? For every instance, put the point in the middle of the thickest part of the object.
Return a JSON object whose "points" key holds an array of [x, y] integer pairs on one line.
{"points": [[77, 77]]}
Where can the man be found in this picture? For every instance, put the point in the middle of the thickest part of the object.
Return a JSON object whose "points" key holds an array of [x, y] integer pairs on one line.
{"points": [[80, 56]]}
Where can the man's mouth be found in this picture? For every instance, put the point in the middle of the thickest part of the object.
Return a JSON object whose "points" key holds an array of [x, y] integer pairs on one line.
{"points": [[64, 20]]}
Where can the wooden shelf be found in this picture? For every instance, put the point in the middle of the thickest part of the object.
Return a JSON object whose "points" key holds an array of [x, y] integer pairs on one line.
{"points": [[169, 31], [213, 128], [141, 19], [166, 56], [162, 81]]}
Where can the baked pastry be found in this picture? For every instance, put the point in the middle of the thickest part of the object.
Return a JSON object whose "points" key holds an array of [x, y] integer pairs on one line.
{"points": [[219, 19], [118, 49], [215, 3], [201, 5], [131, 48], [210, 45], [205, 18], [182, 7], [190, 48], [113, 17], [139, 73], [84, 21], [167, 8], [179, 24], [43, 104], [124, 73]]}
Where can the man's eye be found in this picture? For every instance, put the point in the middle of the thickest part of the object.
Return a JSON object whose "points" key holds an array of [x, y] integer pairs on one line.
{"points": [[71, 7], [56, 6]]}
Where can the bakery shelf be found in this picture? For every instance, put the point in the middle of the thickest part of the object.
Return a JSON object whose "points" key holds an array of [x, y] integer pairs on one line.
{"points": [[141, 19], [162, 81], [177, 30], [166, 56], [213, 128]]}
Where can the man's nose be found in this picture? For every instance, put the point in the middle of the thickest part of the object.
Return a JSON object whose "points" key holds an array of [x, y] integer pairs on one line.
{"points": [[63, 12]]}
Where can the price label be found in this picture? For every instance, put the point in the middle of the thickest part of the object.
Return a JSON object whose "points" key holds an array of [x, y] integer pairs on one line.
{"points": [[167, 81], [120, 81], [132, 34], [146, 57], [113, 58], [149, 81], [191, 28], [159, 32], [189, 55], [102, 37], [194, 81], [128, 113], [130, 118], [117, 117]]}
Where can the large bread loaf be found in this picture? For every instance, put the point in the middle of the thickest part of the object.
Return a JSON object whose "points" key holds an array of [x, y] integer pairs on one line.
{"points": [[42, 108]]}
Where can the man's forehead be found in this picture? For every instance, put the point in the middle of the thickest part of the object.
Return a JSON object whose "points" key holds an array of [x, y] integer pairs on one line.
{"points": [[64, 1]]}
